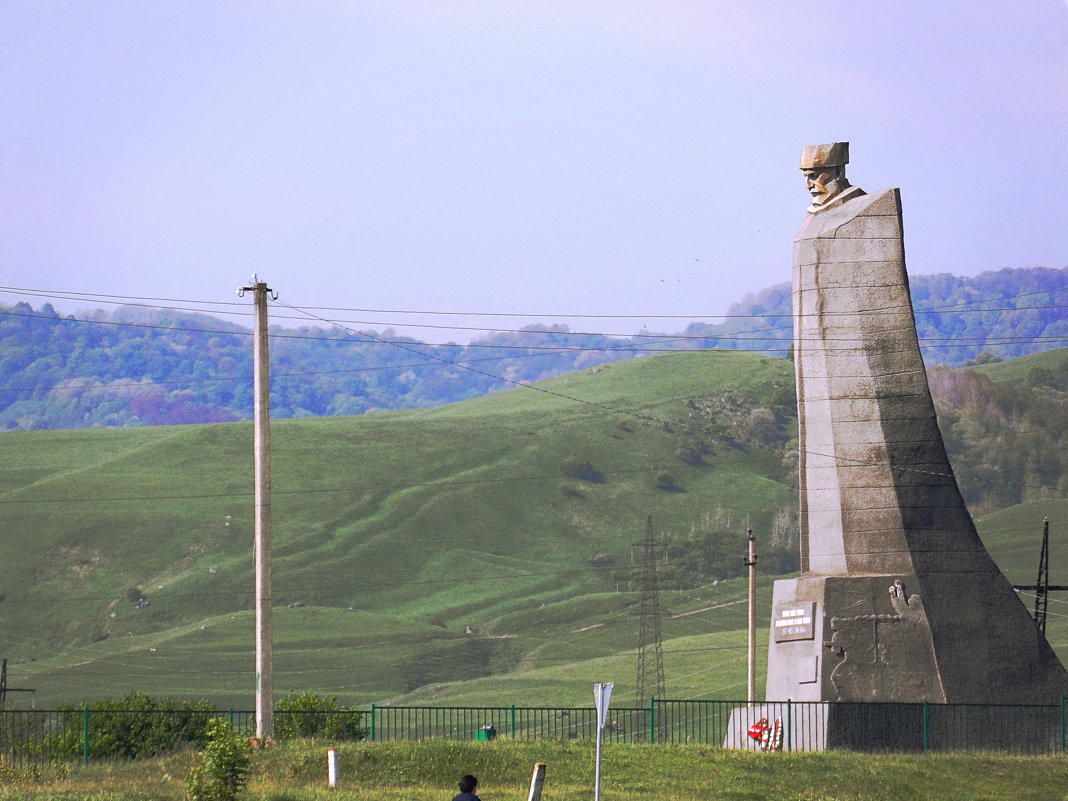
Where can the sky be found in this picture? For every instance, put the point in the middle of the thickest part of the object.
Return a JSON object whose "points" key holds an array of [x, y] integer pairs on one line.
{"points": [[635, 159]]}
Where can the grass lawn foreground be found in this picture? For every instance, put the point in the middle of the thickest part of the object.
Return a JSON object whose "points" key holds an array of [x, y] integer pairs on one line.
{"points": [[428, 771]]}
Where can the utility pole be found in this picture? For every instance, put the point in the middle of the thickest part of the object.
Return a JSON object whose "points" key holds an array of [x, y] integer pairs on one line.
{"points": [[650, 643], [1042, 588], [750, 561], [261, 376], [1042, 593], [4, 689]]}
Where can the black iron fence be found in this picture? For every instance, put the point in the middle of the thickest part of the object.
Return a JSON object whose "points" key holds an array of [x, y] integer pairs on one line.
{"points": [[40, 736]]}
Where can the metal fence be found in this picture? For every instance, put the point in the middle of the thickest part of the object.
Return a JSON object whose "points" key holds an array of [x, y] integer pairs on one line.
{"points": [[40, 736], [868, 727], [530, 723]]}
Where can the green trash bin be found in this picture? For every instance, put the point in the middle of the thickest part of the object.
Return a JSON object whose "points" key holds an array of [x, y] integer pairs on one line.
{"points": [[486, 733]]}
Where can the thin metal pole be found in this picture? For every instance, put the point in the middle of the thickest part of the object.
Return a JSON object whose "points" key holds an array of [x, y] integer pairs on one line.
{"points": [[261, 377], [750, 561], [597, 769], [652, 720], [926, 733], [789, 725]]}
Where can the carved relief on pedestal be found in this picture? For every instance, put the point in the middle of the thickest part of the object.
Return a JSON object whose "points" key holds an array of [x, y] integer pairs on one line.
{"points": [[881, 654]]}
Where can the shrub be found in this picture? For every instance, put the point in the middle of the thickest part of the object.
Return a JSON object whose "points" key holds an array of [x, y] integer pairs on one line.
{"points": [[131, 726], [692, 452], [576, 467], [309, 714], [221, 770], [666, 482], [762, 427]]}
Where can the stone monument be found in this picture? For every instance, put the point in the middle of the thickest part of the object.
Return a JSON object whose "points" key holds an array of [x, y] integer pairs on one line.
{"points": [[898, 599]]}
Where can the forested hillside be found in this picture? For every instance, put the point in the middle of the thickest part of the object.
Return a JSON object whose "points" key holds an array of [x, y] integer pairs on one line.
{"points": [[1006, 438], [133, 366]]}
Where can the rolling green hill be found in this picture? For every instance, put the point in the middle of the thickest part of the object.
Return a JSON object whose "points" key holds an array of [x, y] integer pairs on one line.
{"points": [[1048, 368], [411, 549], [479, 553]]}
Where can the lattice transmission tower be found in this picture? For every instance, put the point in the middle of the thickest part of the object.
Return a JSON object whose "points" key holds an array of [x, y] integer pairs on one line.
{"points": [[650, 682]]}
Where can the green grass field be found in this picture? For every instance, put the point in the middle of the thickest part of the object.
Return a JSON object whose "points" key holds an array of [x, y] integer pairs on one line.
{"points": [[432, 556], [428, 771], [1018, 369]]}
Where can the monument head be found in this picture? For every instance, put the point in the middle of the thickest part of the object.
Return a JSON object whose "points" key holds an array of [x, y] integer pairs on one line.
{"points": [[824, 169]]}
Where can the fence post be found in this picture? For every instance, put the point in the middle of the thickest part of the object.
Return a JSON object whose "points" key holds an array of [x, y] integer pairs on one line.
{"points": [[652, 721], [1062, 724], [231, 717], [513, 721], [372, 723], [926, 733], [85, 734], [789, 727]]}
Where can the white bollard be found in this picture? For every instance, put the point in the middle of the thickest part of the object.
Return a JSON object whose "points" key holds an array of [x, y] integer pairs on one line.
{"points": [[537, 781], [331, 766]]}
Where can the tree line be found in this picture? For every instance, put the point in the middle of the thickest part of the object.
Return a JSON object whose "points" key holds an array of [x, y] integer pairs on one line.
{"points": [[100, 369]]}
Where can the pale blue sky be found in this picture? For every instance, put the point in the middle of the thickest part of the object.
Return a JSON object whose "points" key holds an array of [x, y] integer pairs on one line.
{"points": [[632, 157]]}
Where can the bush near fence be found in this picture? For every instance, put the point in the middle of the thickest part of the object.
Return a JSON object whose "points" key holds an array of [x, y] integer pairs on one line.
{"points": [[129, 727], [309, 714], [136, 725]]}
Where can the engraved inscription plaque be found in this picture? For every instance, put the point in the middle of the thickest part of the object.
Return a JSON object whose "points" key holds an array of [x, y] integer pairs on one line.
{"points": [[795, 621]]}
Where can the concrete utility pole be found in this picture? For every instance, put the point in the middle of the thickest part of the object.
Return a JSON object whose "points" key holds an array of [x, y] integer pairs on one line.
{"points": [[750, 561], [262, 456]]}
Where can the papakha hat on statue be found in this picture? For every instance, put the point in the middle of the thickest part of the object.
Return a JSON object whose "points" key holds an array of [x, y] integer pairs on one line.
{"points": [[836, 154]]}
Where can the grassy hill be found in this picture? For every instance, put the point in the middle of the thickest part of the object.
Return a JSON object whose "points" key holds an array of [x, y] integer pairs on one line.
{"points": [[1051, 362], [411, 549], [451, 555]]}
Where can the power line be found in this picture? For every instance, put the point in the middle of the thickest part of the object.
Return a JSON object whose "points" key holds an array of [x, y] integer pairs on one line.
{"points": [[350, 489], [533, 387], [639, 339], [527, 330], [394, 578], [496, 480], [348, 668], [115, 299]]}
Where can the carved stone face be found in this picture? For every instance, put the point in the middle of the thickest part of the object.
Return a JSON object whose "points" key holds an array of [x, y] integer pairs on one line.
{"points": [[824, 183]]}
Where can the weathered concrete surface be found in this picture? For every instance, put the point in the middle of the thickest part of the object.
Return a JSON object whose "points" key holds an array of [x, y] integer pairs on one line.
{"points": [[906, 603]]}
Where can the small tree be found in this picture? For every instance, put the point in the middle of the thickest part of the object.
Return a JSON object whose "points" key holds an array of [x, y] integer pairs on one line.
{"points": [[221, 770]]}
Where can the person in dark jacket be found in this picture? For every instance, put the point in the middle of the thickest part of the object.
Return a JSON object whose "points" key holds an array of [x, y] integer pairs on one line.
{"points": [[468, 784]]}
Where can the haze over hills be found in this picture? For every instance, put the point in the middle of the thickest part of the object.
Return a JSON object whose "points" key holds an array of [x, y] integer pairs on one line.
{"points": [[142, 366], [478, 552]]}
